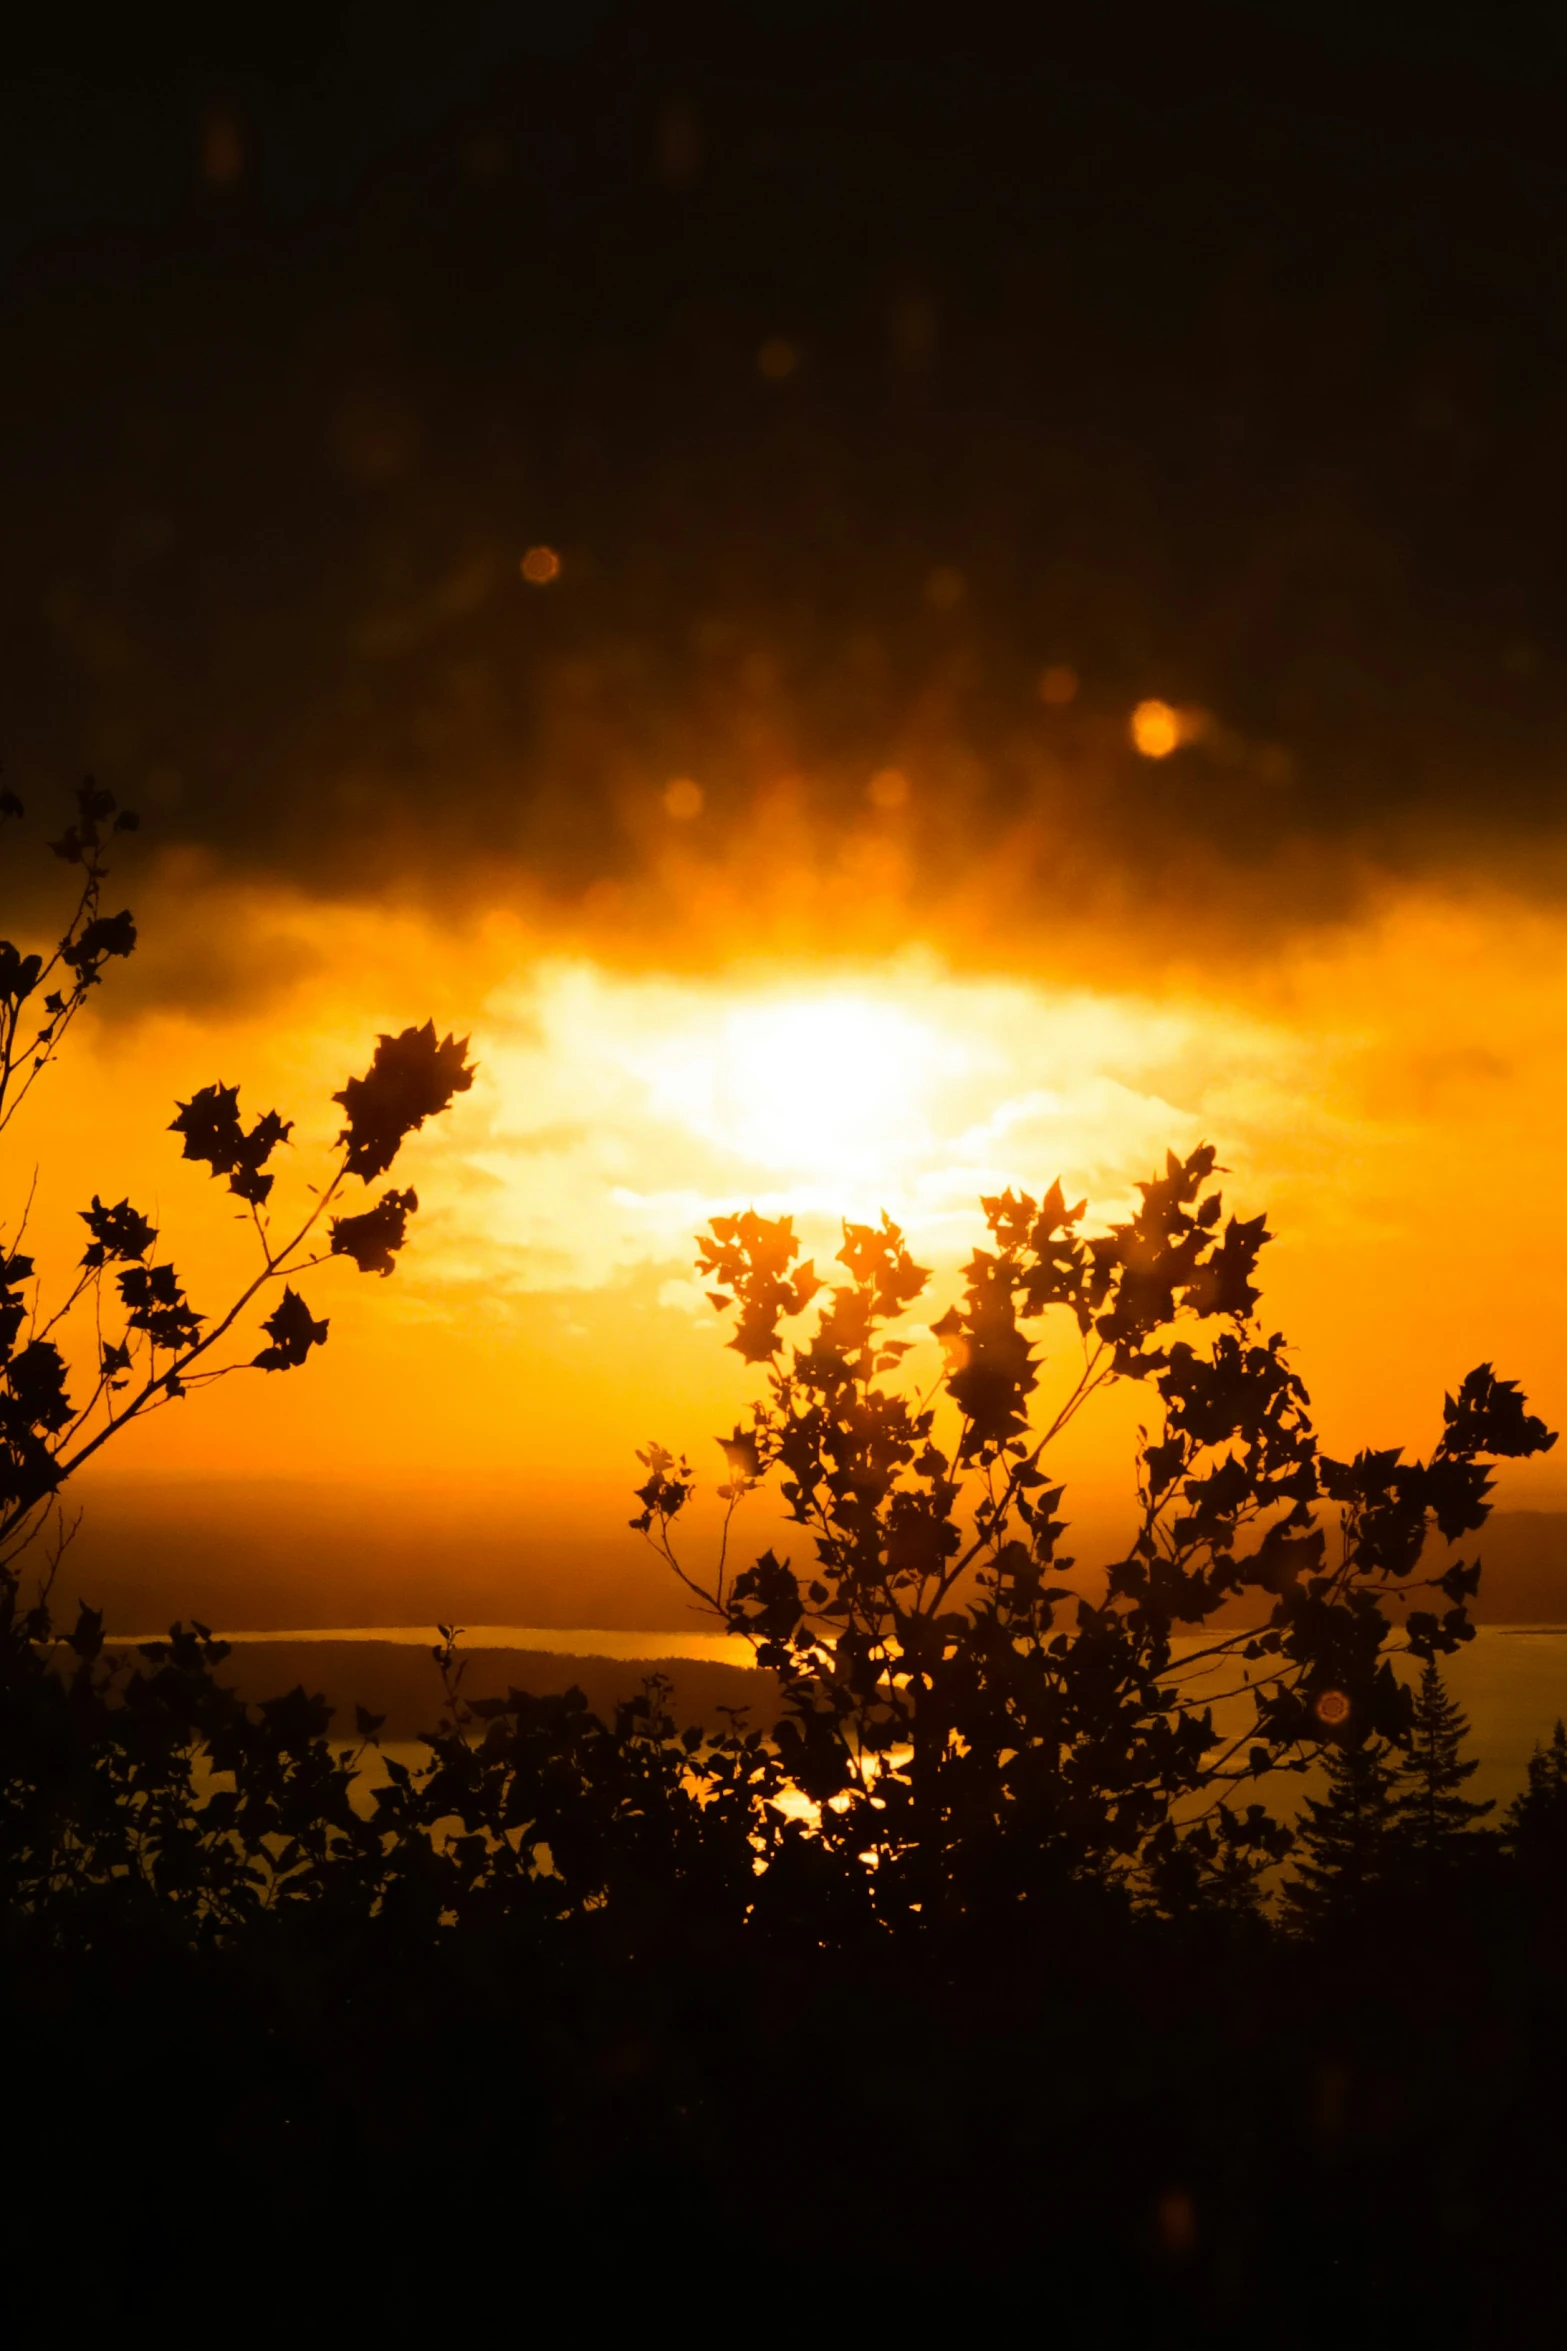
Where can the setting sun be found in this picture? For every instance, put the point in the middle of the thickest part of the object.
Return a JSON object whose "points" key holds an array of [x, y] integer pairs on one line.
{"points": [[834, 1088]]}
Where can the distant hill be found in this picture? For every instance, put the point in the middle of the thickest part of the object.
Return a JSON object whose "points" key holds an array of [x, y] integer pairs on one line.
{"points": [[1524, 1582], [143, 1581], [400, 1681], [1524, 1556]]}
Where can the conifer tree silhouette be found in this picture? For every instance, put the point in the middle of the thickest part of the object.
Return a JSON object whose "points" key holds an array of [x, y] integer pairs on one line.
{"points": [[1535, 1824], [1434, 1822], [1343, 1839]]}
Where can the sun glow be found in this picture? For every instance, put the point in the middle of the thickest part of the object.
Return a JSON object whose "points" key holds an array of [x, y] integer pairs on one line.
{"points": [[616, 1114], [551, 1291], [829, 1087]]}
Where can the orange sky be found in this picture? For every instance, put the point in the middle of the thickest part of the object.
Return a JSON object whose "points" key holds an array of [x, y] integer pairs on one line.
{"points": [[680, 609], [1387, 1091]]}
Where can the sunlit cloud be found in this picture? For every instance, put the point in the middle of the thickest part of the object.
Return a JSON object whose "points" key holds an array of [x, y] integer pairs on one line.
{"points": [[621, 1113]]}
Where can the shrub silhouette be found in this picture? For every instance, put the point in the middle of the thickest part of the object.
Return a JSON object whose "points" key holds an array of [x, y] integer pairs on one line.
{"points": [[968, 1721]]}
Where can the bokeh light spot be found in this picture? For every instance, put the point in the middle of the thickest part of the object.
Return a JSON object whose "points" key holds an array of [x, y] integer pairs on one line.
{"points": [[677, 152], [683, 799], [540, 565], [1058, 686], [1156, 730], [222, 150], [1177, 2221]]}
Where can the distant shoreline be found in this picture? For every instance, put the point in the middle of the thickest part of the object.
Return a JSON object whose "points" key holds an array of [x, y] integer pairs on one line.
{"points": [[641, 1646], [1511, 1680]]}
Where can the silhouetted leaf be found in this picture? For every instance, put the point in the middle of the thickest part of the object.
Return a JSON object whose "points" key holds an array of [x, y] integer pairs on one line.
{"points": [[293, 1332], [212, 1130], [105, 935], [742, 1454], [118, 1233], [412, 1077], [373, 1239], [19, 973], [35, 1377], [158, 1305]]}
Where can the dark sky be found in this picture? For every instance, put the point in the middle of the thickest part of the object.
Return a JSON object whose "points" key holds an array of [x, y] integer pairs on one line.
{"points": [[855, 381]]}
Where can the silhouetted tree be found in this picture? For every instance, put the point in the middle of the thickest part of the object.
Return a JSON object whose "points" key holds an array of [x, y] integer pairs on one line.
{"points": [[1344, 1839], [1434, 1821], [958, 1709], [1535, 1824], [141, 1342], [970, 1732]]}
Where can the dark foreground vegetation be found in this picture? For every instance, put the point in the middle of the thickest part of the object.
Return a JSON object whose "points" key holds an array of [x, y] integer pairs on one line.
{"points": [[981, 1986]]}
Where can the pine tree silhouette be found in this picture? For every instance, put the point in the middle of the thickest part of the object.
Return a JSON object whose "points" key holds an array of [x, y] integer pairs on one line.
{"points": [[1433, 1823], [1536, 1821], [1343, 1839]]}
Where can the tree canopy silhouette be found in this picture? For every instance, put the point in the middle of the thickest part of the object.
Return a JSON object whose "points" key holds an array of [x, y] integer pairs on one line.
{"points": [[964, 1703]]}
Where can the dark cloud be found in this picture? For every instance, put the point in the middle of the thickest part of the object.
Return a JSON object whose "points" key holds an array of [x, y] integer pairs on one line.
{"points": [[852, 390]]}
